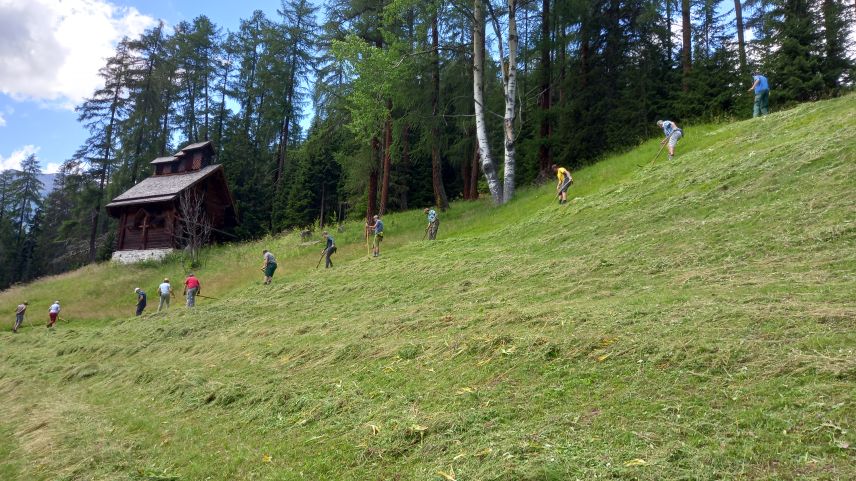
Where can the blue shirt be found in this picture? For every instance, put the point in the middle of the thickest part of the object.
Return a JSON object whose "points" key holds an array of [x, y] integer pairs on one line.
{"points": [[378, 227], [141, 298], [762, 83], [164, 288], [668, 127], [330, 241], [432, 215]]}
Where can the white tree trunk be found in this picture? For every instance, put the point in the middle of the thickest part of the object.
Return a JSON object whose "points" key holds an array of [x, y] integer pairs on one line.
{"points": [[510, 103], [478, 96]]}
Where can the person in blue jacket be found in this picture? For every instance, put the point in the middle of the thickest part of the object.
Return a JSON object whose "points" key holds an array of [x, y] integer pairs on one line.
{"points": [[762, 95]]}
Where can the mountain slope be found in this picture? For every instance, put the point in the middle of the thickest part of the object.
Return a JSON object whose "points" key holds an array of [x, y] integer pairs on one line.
{"points": [[678, 320]]}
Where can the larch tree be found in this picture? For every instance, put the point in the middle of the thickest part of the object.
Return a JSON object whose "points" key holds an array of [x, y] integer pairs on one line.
{"points": [[100, 114], [26, 194], [300, 32], [686, 46], [741, 43]]}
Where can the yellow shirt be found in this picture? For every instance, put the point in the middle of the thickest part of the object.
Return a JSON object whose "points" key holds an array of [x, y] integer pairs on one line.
{"points": [[561, 173]]}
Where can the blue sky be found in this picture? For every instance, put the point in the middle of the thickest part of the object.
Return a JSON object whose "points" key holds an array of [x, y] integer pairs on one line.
{"points": [[50, 52]]}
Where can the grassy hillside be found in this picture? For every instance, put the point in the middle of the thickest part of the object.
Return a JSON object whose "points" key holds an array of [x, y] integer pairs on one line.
{"points": [[691, 319]]}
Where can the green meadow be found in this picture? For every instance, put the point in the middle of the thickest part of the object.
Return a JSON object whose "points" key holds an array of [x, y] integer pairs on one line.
{"points": [[683, 320]]}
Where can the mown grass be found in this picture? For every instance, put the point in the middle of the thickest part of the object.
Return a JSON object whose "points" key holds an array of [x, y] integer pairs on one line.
{"points": [[683, 320]]}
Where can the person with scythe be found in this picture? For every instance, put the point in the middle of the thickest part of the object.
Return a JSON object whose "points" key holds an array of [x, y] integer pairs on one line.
{"points": [[164, 292], [673, 134], [377, 228], [19, 315], [329, 250], [268, 266], [433, 223], [53, 313], [761, 87], [141, 300], [565, 181], [192, 288]]}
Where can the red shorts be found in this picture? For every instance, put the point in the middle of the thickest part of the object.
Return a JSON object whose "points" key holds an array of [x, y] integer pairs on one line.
{"points": [[53, 316]]}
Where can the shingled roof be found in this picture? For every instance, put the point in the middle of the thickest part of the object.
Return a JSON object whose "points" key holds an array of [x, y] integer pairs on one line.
{"points": [[196, 146], [162, 188], [163, 160]]}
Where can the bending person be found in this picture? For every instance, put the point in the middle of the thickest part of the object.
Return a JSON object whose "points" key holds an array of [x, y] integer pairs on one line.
{"points": [[565, 181], [673, 134]]}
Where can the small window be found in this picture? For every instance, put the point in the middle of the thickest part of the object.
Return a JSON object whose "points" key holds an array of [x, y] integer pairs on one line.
{"points": [[197, 161]]}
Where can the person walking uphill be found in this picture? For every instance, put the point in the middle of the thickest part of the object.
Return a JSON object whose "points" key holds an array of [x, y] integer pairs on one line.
{"points": [[377, 228], [329, 250], [191, 289], [165, 292], [433, 223], [673, 135], [269, 266], [565, 181], [141, 300], [762, 95], [53, 313], [19, 315]]}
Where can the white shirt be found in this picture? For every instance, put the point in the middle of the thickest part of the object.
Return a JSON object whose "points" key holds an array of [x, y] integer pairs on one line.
{"points": [[164, 288], [54, 308]]}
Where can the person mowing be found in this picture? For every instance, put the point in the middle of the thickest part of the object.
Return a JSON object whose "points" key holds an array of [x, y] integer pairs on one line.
{"points": [[377, 228], [673, 135], [762, 95], [53, 313], [433, 223], [19, 315], [329, 250], [269, 265], [141, 300], [191, 289], [565, 181], [165, 292]]}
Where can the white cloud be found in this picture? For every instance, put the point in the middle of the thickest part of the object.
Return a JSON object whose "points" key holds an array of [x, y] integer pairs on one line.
{"points": [[51, 50], [2, 120], [52, 168], [15, 158]]}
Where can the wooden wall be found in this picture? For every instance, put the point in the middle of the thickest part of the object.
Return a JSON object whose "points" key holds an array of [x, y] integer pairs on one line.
{"points": [[147, 227]]}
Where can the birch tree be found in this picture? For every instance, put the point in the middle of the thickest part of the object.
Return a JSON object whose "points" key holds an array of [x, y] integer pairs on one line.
{"points": [[488, 166], [509, 82], [501, 193]]}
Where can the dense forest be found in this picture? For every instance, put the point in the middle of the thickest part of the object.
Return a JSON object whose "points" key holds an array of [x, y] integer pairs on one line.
{"points": [[370, 106]]}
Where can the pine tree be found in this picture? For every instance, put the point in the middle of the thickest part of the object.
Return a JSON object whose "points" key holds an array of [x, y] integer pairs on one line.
{"points": [[795, 65], [836, 65]]}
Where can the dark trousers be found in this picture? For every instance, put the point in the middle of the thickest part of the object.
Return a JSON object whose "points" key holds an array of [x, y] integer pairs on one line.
{"points": [[19, 319], [140, 308], [327, 253]]}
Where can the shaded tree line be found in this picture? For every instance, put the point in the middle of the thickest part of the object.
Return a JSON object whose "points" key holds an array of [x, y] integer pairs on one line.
{"points": [[372, 106]]}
